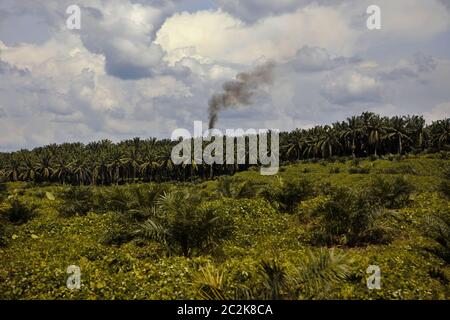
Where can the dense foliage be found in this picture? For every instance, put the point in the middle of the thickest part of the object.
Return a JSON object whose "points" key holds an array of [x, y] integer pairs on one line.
{"points": [[105, 163], [245, 237]]}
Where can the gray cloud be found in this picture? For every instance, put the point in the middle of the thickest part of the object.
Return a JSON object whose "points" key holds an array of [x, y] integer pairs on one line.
{"points": [[352, 87], [111, 80], [254, 10], [315, 59]]}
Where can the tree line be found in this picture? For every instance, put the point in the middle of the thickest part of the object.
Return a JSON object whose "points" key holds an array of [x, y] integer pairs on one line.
{"points": [[146, 160]]}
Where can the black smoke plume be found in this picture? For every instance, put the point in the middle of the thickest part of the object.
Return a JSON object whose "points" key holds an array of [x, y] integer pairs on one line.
{"points": [[240, 90]]}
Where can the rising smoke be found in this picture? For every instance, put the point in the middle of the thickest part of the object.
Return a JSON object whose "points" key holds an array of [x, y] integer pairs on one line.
{"points": [[240, 90]]}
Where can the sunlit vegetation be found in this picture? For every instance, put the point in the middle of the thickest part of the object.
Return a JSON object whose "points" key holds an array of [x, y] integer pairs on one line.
{"points": [[310, 232], [149, 160]]}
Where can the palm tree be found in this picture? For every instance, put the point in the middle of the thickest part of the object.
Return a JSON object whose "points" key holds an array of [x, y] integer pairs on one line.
{"points": [[44, 165], [81, 169], [107, 163], [183, 225], [132, 159], [416, 128], [328, 141], [441, 132], [27, 166], [12, 169], [375, 130], [398, 131], [352, 131], [296, 144], [61, 168], [115, 164]]}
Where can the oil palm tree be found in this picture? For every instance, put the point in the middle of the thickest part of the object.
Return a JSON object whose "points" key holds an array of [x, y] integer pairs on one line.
{"points": [[375, 130], [351, 132], [328, 141], [397, 131], [44, 165]]}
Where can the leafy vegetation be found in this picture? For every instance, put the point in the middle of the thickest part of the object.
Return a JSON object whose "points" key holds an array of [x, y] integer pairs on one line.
{"points": [[76, 201], [19, 212], [390, 193], [137, 160], [287, 195], [183, 225], [347, 217], [370, 191]]}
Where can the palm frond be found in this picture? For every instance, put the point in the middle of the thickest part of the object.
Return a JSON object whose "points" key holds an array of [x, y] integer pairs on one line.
{"points": [[320, 271], [151, 230]]}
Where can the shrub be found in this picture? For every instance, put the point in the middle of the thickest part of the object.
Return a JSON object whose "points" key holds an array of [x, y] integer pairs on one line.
{"points": [[275, 279], [440, 275], [287, 195], [437, 227], [3, 190], [390, 193], [19, 212], [400, 170], [347, 217], [446, 174], [355, 162], [118, 232], [136, 201], [211, 283], [320, 272], [358, 170], [335, 170], [2, 232], [233, 188], [77, 201], [184, 226], [444, 188]]}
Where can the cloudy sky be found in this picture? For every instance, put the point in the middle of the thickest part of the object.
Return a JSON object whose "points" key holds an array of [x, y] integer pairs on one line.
{"points": [[143, 67]]}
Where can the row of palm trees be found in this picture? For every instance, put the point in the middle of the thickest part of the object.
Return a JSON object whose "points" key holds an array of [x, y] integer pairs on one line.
{"points": [[105, 163], [368, 134]]}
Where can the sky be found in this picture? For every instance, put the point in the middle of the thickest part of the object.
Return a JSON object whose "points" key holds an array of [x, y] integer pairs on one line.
{"points": [[143, 68]]}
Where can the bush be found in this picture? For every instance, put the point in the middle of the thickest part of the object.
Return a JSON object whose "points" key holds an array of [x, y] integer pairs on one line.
{"points": [[400, 170], [347, 217], [118, 232], [287, 195], [390, 193], [184, 226], [136, 201], [3, 187], [20, 213], [237, 189], [437, 227], [444, 188], [77, 201], [2, 232], [446, 174], [358, 170], [355, 162], [335, 170]]}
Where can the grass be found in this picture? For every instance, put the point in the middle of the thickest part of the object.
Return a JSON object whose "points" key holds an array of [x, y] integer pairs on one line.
{"points": [[271, 249]]}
